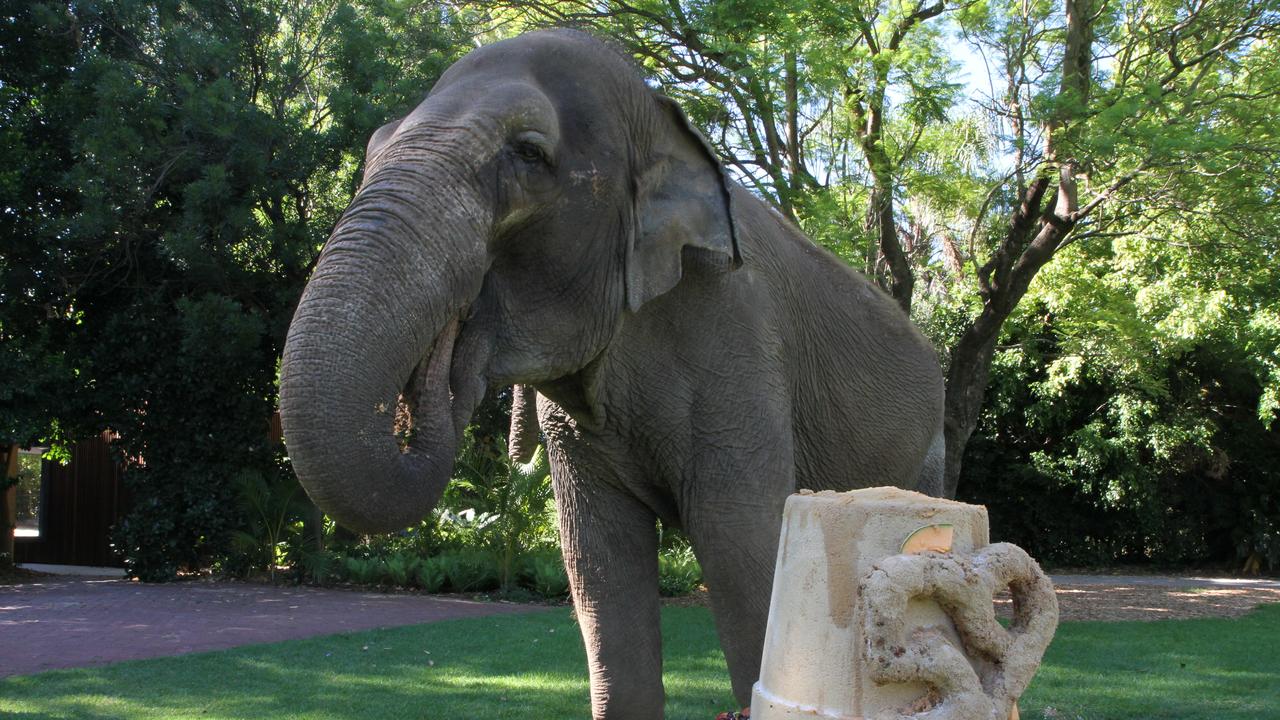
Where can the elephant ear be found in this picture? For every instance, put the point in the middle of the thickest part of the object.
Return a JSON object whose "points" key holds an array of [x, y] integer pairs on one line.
{"points": [[682, 200]]}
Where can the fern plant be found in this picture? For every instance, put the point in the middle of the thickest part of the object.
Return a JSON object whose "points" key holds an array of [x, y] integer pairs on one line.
{"points": [[431, 575], [402, 569], [678, 572], [549, 578], [364, 570], [271, 509], [469, 570]]}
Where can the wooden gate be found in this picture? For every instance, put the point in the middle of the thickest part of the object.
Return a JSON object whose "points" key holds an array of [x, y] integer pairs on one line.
{"points": [[80, 503]]}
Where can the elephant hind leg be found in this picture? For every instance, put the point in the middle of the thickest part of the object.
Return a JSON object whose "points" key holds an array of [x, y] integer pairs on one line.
{"points": [[935, 464]]}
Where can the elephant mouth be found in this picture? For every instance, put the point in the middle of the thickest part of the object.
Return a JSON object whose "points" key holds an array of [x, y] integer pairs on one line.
{"points": [[444, 387], [425, 405]]}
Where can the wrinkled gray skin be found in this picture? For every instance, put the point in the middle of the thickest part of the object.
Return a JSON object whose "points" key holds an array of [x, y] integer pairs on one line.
{"points": [[545, 218]]}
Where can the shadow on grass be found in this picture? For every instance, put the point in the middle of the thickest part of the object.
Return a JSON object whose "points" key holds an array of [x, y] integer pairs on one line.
{"points": [[502, 667]]}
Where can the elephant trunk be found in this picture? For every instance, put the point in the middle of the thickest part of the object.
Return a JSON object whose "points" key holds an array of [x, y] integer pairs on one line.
{"points": [[380, 322]]}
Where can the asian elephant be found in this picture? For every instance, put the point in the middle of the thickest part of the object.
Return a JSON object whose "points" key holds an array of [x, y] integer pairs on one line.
{"points": [[543, 217]]}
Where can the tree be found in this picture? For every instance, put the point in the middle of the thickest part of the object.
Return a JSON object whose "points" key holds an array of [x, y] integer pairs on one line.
{"points": [[1103, 136], [174, 168], [1130, 412]]}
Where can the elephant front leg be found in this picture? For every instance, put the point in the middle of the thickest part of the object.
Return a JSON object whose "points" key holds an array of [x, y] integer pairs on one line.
{"points": [[611, 554]]}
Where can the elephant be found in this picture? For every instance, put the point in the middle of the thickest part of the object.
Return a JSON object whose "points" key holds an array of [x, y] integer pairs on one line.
{"points": [[545, 218]]}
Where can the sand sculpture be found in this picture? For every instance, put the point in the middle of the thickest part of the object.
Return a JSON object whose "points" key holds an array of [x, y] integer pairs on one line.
{"points": [[882, 608]]}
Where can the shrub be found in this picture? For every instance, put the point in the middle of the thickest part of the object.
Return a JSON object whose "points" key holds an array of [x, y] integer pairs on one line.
{"points": [[365, 571], [421, 540], [678, 572], [463, 528], [431, 575], [469, 570], [315, 566], [509, 506], [198, 423], [1083, 465], [546, 575], [402, 569], [271, 507]]}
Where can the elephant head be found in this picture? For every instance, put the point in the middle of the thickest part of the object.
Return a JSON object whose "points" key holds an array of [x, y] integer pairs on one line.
{"points": [[502, 231]]}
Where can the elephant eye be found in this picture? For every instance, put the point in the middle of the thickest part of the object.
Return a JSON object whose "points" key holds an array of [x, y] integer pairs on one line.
{"points": [[529, 152]]}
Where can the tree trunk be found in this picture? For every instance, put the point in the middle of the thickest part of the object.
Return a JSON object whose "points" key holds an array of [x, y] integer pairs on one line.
{"points": [[9, 503], [1002, 282], [900, 280], [1038, 228], [966, 390], [881, 221]]}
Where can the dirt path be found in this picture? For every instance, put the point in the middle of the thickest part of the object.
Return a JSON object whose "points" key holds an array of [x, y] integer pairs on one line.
{"points": [[1155, 597], [1138, 597], [61, 621]]}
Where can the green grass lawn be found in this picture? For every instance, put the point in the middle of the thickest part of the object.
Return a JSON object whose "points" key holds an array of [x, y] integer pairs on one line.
{"points": [[532, 666]]}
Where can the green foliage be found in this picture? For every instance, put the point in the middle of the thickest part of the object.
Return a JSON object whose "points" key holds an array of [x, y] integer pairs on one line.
{"points": [[508, 508], [678, 572], [271, 508], [431, 576], [184, 473], [365, 570], [479, 569], [402, 569], [464, 528], [315, 566], [465, 570], [547, 575], [470, 570], [1124, 413], [525, 514]]}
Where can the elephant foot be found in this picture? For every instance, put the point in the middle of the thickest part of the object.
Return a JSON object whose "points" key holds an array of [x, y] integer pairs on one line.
{"points": [[743, 714]]}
